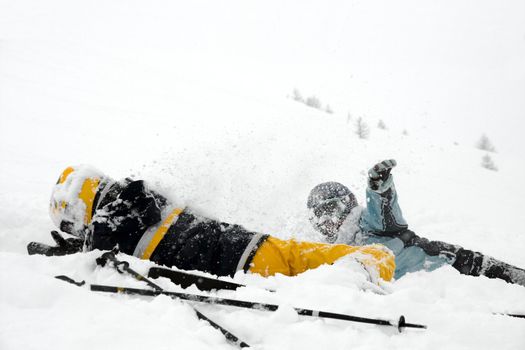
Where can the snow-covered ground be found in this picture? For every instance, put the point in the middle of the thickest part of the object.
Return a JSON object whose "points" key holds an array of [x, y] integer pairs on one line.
{"points": [[235, 150]]}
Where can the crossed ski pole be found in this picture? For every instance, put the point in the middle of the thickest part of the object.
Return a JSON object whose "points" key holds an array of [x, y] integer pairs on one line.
{"points": [[123, 266]]}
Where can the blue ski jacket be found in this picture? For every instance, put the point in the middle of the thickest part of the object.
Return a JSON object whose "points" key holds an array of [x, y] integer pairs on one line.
{"points": [[381, 221]]}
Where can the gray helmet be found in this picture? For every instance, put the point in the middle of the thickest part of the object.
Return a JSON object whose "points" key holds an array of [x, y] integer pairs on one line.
{"points": [[329, 204]]}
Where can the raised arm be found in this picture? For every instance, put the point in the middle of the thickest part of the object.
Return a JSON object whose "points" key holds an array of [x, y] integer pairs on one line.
{"points": [[382, 215]]}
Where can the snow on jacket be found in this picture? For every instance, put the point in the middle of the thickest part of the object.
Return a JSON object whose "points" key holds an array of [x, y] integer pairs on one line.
{"points": [[143, 224]]}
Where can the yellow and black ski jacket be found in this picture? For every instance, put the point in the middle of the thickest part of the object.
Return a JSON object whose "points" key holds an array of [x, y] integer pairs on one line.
{"points": [[141, 223]]}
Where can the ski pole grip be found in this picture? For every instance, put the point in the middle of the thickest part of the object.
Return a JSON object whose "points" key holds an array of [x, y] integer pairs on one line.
{"points": [[103, 259]]}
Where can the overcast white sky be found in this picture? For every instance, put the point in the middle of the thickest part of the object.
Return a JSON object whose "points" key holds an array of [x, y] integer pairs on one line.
{"points": [[435, 64]]}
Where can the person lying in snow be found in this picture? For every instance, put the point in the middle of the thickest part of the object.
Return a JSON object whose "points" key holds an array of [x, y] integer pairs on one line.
{"points": [[102, 213], [335, 213]]}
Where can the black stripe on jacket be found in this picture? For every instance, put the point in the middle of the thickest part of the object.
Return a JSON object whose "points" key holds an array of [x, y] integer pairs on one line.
{"points": [[197, 243]]}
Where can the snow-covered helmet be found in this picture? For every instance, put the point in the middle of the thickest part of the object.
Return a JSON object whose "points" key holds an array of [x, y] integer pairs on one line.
{"points": [[329, 204], [71, 203]]}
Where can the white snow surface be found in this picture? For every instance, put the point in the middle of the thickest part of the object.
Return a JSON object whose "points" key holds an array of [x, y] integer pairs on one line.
{"points": [[106, 85]]}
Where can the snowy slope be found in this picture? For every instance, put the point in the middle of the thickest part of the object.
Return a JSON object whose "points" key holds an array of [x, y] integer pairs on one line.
{"points": [[236, 152]]}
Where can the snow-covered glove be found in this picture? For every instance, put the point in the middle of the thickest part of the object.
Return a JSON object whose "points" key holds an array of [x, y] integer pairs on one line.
{"points": [[379, 178], [64, 246], [358, 274]]}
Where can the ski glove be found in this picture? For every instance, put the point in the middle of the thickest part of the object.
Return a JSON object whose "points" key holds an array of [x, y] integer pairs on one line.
{"points": [[379, 179], [64, 246]]}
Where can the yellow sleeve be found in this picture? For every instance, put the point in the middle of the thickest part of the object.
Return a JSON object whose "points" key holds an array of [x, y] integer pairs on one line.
{"points": [[291, 257]]}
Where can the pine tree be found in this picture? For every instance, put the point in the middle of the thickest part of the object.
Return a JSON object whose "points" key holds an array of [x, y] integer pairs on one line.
{"points": [[297, 96], [314, 102], [381, 125], [485, 144], [488, 163], [361, 128]]}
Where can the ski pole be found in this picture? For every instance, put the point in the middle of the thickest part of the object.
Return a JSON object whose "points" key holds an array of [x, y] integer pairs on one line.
{"points": [[510, 315], [244, 304], [123, 266]]}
